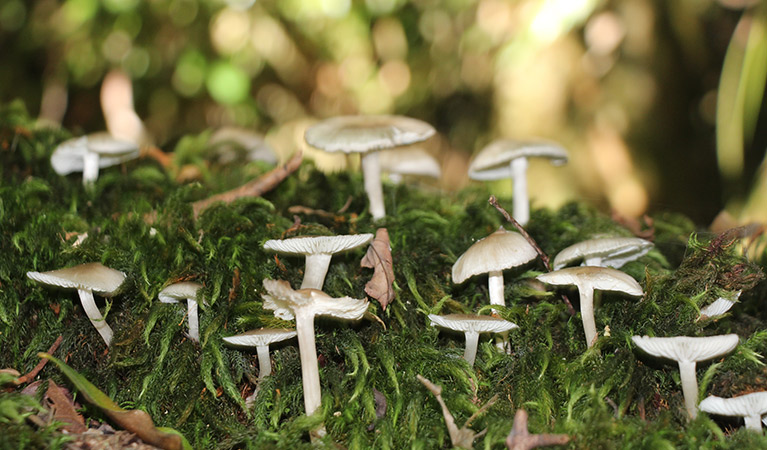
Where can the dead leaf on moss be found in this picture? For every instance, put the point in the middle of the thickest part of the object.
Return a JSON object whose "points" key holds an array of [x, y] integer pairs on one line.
{"points": [[63, 409], [379, 259]]}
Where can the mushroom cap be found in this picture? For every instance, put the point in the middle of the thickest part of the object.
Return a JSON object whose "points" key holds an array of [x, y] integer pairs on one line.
{"points": [[310, 245], [176, 292], [597, 278], [410, 161], [69, 156], [94, 277], [500, 250], [284, 301], [685, 348], [719, 306], [751, 404], [472, 322], [260, 337], [492, 162], [614, 251], [361, 134], [229, 141]]}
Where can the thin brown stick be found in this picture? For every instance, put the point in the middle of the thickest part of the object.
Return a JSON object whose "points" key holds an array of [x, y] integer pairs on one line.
{"points": [[33, 373], [544, 257], [253, 188]]}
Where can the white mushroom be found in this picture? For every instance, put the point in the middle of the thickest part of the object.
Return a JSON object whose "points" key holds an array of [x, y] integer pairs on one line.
{"points": [[87, 279], [751, 407], [472, 325], [507, 158], [687, 351], [185, 290], [605, 252], [409, 161], [588, 279], [261, 339], [318, 251], [303, 305], [230, 141], [87, 154], [492, 255], [719, 306], [367, 135]]}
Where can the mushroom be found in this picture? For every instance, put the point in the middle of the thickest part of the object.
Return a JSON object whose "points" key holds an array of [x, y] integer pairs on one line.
{"points": [[605, 252], [87, 154], [718, 307], [367, 135], [230, 142], [751, 407], [87, 279], [318, 251], [185, 290], [409, 161], [492, 255], [261, 339], [472, 325], [687, 351], [507, 158], [588, 279], [303, 305]]}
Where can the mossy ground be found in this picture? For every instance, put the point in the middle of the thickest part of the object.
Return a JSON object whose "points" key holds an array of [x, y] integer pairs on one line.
{"points": [[610, 396]]}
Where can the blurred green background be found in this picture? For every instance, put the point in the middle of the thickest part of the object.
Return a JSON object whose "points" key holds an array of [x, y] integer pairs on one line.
{"points": [[658, 101]]}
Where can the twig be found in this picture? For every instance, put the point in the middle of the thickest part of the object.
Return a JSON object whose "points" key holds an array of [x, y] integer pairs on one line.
{"points": [[253, 188], [521, 439], [33, 373], [544, 257]]}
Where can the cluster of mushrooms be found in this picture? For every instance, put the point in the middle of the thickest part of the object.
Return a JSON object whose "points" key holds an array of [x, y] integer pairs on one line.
{"points": [[372, 136]]}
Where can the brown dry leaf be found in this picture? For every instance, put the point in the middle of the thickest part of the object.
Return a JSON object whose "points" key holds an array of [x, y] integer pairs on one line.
{"points": [[63, 409], [379, 259]]}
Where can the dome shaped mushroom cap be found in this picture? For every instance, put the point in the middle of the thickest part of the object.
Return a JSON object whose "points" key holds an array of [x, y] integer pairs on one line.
{"points": [[472, 322], [492, 162], [308, 245], [614, 251], [94, 277], [685, 348], [361, 134], [598, 278], [499, 251], [260, 337], [176, 292], [284, 301], [754, 403]]}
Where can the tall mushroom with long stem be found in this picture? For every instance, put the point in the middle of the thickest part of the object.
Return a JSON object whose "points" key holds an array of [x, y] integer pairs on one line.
{"points": [[368, 135]]}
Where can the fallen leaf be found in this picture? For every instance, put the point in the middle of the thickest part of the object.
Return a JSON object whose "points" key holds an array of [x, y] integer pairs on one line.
{"points": [[63, 409], [379, 259]]}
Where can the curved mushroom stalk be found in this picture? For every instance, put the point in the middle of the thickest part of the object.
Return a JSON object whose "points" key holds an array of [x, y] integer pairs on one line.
{"points": [[371, 172], [521, 205], [92, 311]]}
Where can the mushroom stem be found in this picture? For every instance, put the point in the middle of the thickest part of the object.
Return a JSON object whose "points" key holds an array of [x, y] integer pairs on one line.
{"points": [[371, 171], [521, 208], [90, 168], [310, 370], [753, 422], [264, 363], [316, 267], [472, 342], [689, 387], [194, 321], [593, 261], [92, 311], [495, 288], [587, 314]]}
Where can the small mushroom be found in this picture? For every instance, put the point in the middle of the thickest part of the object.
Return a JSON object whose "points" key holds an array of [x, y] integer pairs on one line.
{"points": [[87, 154], [368, 135], [604, 252], [472, 325], [261, 339], [303, 305], [230, 142], [185, 290], [751, 407], [492, 255], [409, 161], [318, 251], [507, 158], [687, 351], [719, 306], [87, 279], [588, 279]]}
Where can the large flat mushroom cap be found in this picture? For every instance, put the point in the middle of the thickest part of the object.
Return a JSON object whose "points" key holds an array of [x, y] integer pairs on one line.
{"points": [[284, 301], [685, 348], [308, 245], [176, 292], [614, 251], [260, 337], [499, 251], [492, 162], [92, 276], [754, 403], [472, 322], [361, 134], [598, 278]]}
